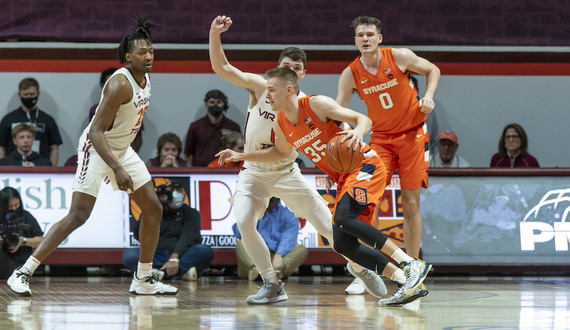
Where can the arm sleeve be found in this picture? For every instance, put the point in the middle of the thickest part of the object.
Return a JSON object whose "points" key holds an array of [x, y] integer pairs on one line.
{"points": [[190, 232], [289, 231]]}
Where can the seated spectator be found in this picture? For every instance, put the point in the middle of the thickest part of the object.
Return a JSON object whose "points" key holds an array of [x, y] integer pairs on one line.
{"points": [[16, 249], [180, 253], [447, 152], [279, 228], [513, 146], [232, 140], [47, 137], [23, 136], [202, 139], [168, 148]]}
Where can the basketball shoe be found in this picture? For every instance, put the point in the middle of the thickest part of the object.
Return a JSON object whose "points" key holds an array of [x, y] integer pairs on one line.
{"points": [[19, 281], [150, 285], [398, 298], [190, 275], [415, 271], [355, 287], [372, 282], [268, 293]]}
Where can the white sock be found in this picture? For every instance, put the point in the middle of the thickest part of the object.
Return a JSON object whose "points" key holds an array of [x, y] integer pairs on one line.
{"points": [[31, 264], [143, 269], [400, 256], [269, 275], [357, 268], [399, 276]]}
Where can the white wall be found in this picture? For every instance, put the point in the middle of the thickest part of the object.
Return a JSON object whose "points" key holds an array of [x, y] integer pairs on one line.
{"points": [[476, 107]]}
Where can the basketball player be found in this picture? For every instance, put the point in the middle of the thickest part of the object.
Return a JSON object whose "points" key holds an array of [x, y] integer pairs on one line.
{"points": [[399, 133], [104, 150], [308, 123], [259, 181]]}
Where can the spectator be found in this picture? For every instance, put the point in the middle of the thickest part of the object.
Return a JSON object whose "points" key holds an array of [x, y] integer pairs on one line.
{"points": [[447, 152], [202, 139], [513, 147], [137, 142], [16, 249], [168, 149], [47, 138], [233, 140], [180, 253], [279, 228], [23, 138]]}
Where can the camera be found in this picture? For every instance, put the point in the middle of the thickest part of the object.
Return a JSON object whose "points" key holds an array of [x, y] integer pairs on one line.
{"points": [[164, 192], [10, 229]]}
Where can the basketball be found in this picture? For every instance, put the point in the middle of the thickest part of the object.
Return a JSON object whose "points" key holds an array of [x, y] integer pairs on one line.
{"points": [[340, 157]]}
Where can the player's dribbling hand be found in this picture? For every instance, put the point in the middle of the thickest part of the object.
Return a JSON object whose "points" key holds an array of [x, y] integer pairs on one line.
{"points": [[221, 23], [426, 105], [355, 139]]}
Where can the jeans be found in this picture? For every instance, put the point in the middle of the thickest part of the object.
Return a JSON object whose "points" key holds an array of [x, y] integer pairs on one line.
{"points": [[198, 255]]}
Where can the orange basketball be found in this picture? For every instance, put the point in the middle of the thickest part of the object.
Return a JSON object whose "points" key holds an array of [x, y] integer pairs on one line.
{"points": [[340, 157]]}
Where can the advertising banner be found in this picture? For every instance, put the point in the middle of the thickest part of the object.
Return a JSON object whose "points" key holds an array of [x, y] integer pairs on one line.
{"points": [[496, 220]]}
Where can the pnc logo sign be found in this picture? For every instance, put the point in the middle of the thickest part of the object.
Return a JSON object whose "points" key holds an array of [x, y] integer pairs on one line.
{"points": [[547, 221]]}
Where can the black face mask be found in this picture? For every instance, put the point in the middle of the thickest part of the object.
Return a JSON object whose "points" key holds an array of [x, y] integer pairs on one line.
{"points": [[29, 102], [216, 111]]}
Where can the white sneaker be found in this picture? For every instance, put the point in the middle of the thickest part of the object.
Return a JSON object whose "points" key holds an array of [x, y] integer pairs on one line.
{"points": [[190, 275], [158, 272], [150, 285], [356, 287], [372, 282], [399, 298], [415, 271], [268, 293], [19, 281]]}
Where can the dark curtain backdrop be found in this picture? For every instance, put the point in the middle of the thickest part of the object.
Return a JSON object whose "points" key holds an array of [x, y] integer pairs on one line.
{"points": [[421, 22]]}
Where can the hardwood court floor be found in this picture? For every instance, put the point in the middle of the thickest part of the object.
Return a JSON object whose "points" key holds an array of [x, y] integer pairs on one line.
{"points": [[316, 302]]}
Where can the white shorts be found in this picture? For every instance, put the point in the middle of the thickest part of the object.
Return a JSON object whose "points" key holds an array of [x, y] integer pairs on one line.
{"points": [[255, 188], [91, 169]]}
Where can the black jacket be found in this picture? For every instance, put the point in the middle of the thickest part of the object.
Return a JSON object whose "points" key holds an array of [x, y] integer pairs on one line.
{"points": [[15, 159]]}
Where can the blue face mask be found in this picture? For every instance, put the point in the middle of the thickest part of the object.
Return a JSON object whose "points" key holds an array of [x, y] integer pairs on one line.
{"points": [[177, 200]]}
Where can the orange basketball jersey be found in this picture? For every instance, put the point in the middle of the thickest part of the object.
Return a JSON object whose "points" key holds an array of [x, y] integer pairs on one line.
{"points": [[310, 136], [391, 99]]}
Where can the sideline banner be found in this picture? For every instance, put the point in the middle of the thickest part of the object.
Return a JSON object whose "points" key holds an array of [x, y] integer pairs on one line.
{"points": [[496, 220]]}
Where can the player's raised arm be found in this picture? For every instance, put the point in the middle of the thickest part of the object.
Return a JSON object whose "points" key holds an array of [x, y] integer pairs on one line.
{"points": [[346, 87], [327, 109], [282, 149], [409, 61], [252, 82]]}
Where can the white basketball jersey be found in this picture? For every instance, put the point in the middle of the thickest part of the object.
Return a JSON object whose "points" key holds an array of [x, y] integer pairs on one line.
{"points": [[128, 119], [259, 133]]}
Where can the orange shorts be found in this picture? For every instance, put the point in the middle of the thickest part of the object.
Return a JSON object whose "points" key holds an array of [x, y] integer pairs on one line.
{"points": [[365, 184], [408, 152]]}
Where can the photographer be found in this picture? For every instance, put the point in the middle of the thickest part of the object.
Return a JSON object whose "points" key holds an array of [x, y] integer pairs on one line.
{"points": [[19, 232], [180, 253]]}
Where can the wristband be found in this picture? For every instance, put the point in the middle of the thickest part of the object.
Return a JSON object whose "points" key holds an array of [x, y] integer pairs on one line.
{"points": [[174, 259]]}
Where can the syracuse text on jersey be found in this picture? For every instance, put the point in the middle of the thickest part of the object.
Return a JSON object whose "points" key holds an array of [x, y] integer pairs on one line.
{"points": [[307, 138], [381, 87]]}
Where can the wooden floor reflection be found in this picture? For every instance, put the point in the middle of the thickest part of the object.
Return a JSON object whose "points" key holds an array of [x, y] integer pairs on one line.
{"points": [[104, 303]]}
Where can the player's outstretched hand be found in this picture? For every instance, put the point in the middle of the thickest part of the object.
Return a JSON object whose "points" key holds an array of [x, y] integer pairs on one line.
{"points": [[221, 24], [427, 105], [228, 155]]}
